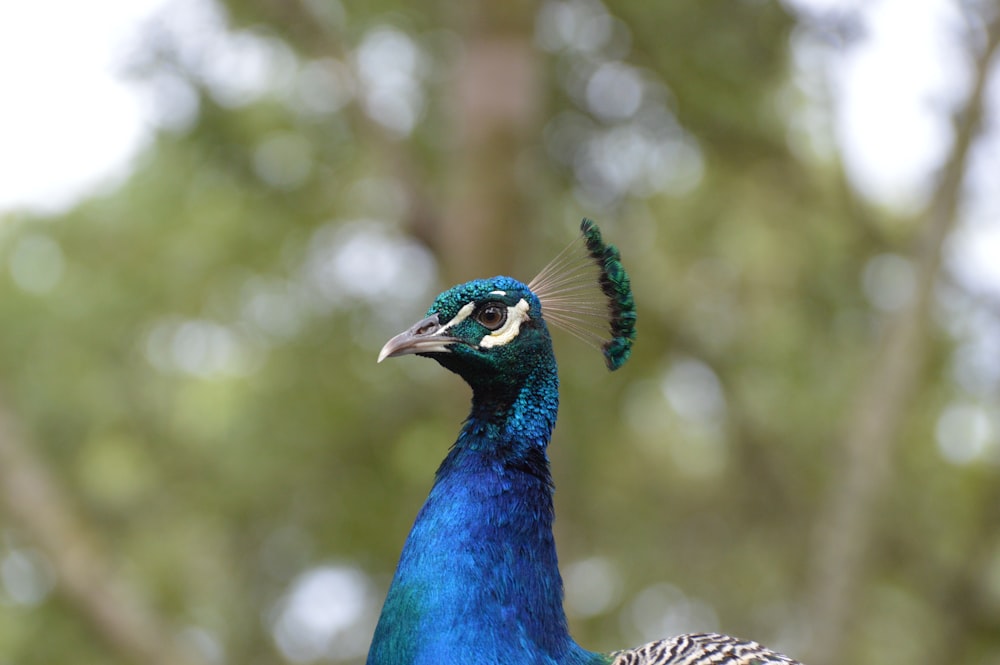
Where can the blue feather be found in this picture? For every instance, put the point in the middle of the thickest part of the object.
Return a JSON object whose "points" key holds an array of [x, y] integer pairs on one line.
{"points": [[478, 580]]}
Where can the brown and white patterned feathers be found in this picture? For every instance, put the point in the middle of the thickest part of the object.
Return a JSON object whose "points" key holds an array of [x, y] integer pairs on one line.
{"points": [[701, 649]]}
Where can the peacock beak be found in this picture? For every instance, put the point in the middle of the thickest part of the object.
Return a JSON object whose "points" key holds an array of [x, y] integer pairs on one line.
{"points": [[425, 336]]}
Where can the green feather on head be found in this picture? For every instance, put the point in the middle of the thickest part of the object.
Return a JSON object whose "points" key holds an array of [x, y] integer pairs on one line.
{"points": [[616, 286], [604, 316]]}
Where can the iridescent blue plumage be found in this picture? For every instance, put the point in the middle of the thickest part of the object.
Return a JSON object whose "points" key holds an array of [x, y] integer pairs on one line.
{"points": [[478, 581]]}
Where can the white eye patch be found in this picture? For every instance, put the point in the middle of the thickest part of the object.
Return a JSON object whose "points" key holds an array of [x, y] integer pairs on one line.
{"points": [[516, 315], [460, 316]]}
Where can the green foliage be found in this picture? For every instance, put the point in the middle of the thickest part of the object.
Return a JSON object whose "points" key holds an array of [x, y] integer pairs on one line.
{"points": [[201, 381]]}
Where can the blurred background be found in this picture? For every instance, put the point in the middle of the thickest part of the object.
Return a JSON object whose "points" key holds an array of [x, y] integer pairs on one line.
{"points": [[213, 213]]}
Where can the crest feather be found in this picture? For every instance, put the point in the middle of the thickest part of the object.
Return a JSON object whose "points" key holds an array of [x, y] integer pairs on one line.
{"points": [[588, 294]]}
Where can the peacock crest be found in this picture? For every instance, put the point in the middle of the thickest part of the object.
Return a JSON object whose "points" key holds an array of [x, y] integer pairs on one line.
{"points": [[566, 289]]}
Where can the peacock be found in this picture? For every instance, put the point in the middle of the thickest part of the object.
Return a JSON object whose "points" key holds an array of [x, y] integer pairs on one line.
{"points": [[477, 581]]}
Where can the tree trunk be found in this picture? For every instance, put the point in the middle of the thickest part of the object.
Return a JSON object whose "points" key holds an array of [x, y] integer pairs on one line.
{"points": [[845, 529]]}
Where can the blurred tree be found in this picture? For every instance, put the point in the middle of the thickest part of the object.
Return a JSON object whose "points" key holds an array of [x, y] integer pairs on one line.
{"points": [[187, 360]]}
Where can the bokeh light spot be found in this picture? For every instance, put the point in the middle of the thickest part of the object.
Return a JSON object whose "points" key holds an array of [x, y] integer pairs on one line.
{"points": [[283, 160], [966, 433], [328, 613], [663, 609], [593, 586], [890, 282], [37, 264], [390, 67], [26, 576], [614, 91]]}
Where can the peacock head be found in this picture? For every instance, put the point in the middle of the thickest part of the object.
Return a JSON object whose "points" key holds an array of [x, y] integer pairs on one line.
{"points": [[483, 328], [490, 329]]}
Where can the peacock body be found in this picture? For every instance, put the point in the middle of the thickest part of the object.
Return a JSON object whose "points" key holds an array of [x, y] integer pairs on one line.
{"points": [[478, 578]]}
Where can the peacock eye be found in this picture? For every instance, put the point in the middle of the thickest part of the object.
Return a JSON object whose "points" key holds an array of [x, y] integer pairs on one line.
{"points": [[492, 315]]}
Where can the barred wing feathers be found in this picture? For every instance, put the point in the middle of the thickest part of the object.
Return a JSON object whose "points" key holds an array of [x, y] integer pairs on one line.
{"points": [[701, 649]]}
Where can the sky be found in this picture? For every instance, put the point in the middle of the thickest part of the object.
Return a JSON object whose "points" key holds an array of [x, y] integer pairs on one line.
{"points": [[69, 123]]}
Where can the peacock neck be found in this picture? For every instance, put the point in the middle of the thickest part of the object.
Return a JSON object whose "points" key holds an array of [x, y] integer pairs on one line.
{"points": [[478, 580]]}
